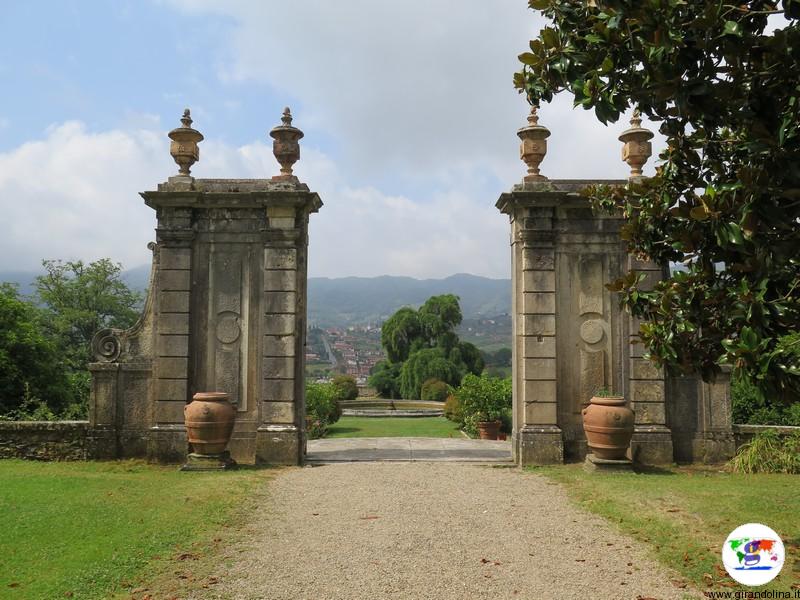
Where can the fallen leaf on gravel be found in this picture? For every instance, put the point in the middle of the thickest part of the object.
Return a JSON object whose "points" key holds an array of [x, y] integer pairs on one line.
{"points": [[673, 510], [678, 583], [630, 564], [609, 543], [645, 598], [580, 560], [628, 572], [369, 517], [484, 560], [497, 563], [314, 514]]}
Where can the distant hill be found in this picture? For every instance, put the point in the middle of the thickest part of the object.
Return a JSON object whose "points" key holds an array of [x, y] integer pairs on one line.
{"points": [[354, 300], [360, 300]]}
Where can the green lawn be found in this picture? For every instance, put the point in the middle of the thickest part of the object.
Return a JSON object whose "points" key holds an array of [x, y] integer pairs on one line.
{"points": [[88, 530], [348, 427], [686, 514]]}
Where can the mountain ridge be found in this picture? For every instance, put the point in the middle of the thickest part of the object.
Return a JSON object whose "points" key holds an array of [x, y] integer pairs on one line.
{"points": [[353, 300]]}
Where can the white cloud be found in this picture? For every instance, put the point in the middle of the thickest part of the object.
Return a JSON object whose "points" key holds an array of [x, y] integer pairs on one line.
{"points": [[74, 194], [410, 88]]}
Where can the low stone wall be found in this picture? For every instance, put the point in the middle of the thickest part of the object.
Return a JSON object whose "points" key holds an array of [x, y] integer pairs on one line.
{"points": [[44, 440], [744, 433]]}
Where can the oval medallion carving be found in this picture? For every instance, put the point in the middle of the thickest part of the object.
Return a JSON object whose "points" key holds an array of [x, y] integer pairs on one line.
{"points": [[228, 328], [592, 331]]}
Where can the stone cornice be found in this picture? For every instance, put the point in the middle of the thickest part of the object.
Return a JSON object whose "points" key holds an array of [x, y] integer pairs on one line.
{"points": [[556, 192]]}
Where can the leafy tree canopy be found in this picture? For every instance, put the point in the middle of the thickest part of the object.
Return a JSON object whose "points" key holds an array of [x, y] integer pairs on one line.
{"points": [[725, 201], [422, 344], [31, 370], [84, 298]]}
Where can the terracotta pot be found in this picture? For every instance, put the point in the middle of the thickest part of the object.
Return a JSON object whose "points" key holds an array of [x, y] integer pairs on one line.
{"points": [[608, 424], [488, 430], [209, 422]]}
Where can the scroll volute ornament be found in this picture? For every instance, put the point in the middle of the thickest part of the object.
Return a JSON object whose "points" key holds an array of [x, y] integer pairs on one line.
{"points": [[286, 145], [183, 147], [533, 147], [636, 148]]}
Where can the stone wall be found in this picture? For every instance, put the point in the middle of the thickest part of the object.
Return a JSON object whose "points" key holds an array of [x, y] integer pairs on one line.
{"points": [[45, 440], [744, 433]]}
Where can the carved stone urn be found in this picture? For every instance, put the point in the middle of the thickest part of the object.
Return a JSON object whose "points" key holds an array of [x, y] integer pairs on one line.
{"points": [[183, 147], [286, 145], [209, 421], [533, 147], [608, 424], [636, 148]]}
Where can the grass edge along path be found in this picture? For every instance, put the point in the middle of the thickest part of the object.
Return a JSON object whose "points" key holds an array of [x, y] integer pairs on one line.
{"points": [[686, 513], [96, 529], [434, 427]]}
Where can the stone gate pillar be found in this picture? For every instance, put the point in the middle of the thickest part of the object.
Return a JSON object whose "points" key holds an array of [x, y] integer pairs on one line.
{"points": [[570, 335], [226, 310]]}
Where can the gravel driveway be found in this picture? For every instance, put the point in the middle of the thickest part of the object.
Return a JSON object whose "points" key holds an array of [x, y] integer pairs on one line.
{"points": [[431, 531]]}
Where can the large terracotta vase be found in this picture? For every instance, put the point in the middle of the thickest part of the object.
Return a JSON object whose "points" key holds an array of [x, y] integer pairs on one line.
{"points": [[608, 424], [488, 430], [209, 422]]}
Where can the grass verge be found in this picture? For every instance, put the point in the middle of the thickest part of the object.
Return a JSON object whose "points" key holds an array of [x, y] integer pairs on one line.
{"points": [[95, 529], [686, 514], [437, 427]]}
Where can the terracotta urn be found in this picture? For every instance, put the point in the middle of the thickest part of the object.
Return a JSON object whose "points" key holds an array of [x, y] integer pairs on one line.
{"points": [[608, 424], [209, 422], [488, 430]]}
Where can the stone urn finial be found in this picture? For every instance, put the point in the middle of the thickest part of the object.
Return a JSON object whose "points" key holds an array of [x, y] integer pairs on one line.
{"points": [[534, 145], [636, 148], [286, 146], [183, 147]]}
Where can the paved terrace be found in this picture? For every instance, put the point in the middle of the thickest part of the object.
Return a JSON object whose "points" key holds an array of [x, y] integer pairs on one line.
{"points": [[408, 450]]}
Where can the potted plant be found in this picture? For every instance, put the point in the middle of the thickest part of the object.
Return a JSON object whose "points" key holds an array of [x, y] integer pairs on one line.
{"points": [[484, 400], [608, 424]]}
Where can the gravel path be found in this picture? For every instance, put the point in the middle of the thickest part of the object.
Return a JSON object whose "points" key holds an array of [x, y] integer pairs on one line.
{"points": [[431, 531]]}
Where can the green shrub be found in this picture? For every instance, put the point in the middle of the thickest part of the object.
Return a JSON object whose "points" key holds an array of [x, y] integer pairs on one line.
{"points": [[322, 402], [751, 407], [346, 386], [506, 422], [434, 390], [452, 409], [484, 398], [316, 429], [768, 452]]}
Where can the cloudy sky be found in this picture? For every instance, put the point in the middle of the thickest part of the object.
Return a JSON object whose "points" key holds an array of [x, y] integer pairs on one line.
{"points": [[408, 110]]}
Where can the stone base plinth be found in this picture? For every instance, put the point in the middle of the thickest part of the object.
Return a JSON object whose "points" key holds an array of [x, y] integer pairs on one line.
{"points": [[713, 447], [101, 443], [278, 445], [209, 462], [167, 444], [538, 445], [652, 445], [592, 464]]}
